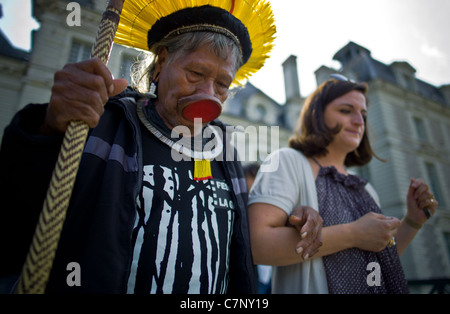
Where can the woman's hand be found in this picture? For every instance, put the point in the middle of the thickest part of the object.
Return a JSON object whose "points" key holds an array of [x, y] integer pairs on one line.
{"points": [[79, 92], [420, 203], [372, 232], [419, 200]]}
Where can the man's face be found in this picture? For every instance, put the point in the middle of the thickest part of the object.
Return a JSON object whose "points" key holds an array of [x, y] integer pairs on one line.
{"points": [[199, 73]]}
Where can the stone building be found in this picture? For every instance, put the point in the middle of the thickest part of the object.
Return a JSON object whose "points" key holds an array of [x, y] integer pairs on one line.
{"points": [[409, 119], [409, 123], [28, 77]]}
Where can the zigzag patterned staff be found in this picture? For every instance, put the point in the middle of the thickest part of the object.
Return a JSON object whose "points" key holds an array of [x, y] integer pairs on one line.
{"points": [[39, 261]]}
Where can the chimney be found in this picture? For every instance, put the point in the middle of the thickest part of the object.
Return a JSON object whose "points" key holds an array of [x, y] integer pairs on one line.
{"points": [[291, 82]]}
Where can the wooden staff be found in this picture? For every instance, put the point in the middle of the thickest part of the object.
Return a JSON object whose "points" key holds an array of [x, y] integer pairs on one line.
{"points": [[39, 261]]}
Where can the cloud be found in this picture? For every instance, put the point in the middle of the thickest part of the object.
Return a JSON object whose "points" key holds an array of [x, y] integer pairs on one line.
{"points": [[432, 51], [17, 23], [436, 55]]}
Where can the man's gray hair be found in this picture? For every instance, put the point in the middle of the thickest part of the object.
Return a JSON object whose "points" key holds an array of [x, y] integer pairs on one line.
{"points": [[142, 71]]}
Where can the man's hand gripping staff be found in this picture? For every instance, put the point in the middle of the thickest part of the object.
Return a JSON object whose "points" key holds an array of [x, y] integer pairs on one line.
{"points": [[88, 85]]}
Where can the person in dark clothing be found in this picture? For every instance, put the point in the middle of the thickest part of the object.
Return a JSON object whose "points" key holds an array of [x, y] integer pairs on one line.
{"points": [[160, 200]]}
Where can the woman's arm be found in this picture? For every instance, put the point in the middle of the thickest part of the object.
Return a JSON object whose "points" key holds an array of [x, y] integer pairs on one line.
{"points": [[272, 241], [418, 199], [372, 232], [275, 243]]}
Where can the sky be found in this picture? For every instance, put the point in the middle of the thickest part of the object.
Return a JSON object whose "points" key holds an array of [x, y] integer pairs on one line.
{"points": [[415, 31]]}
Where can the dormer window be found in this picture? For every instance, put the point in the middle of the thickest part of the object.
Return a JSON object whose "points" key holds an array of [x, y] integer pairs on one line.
{"points": [[261, 111], [405, 75], [409, 81], [420, 129]]}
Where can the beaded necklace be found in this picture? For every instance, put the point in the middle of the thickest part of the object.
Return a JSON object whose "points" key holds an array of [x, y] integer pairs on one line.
{"points": [[202, 158]]}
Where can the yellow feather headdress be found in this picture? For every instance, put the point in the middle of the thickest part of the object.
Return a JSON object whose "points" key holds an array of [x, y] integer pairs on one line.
{"points": [[139, 16]]}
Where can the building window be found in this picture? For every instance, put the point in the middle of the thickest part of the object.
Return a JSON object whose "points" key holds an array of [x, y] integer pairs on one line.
{"points": [[261, 111], [79, 51], [447, 241], [434, 183], [409, 81], [420, 129]]}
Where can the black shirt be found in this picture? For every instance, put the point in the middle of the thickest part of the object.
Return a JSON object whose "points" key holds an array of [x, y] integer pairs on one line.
{"points": [[183, 228]]}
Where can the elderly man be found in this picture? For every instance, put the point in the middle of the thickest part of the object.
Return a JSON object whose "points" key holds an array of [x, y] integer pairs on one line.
{"points": [[140, 221]]}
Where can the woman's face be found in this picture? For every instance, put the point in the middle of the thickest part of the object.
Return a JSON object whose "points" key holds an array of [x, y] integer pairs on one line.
{"points": [[199, 73], [350, 112]]}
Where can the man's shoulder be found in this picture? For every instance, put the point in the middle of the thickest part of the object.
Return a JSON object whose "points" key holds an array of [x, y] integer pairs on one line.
{"points": [[129, 92], [126, 101]]}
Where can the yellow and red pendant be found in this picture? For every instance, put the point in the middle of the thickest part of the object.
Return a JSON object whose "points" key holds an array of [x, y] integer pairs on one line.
{"points": [[202, 170]]}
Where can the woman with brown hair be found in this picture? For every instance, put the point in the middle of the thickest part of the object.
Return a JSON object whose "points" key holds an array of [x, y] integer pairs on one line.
{"points": [[361, 246]]}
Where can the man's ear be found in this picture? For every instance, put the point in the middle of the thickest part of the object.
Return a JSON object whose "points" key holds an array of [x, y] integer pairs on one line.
{"points": [[162, 60]]}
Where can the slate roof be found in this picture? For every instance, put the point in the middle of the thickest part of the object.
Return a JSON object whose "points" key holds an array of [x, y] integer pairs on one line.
{"points": [[8, 50], [357, 59]]}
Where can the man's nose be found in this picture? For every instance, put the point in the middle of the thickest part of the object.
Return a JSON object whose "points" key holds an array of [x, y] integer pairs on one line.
{"points": [[206, 87]]}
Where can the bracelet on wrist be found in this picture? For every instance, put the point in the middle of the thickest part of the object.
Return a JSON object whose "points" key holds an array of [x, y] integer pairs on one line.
{"points": [[412, 223]]}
